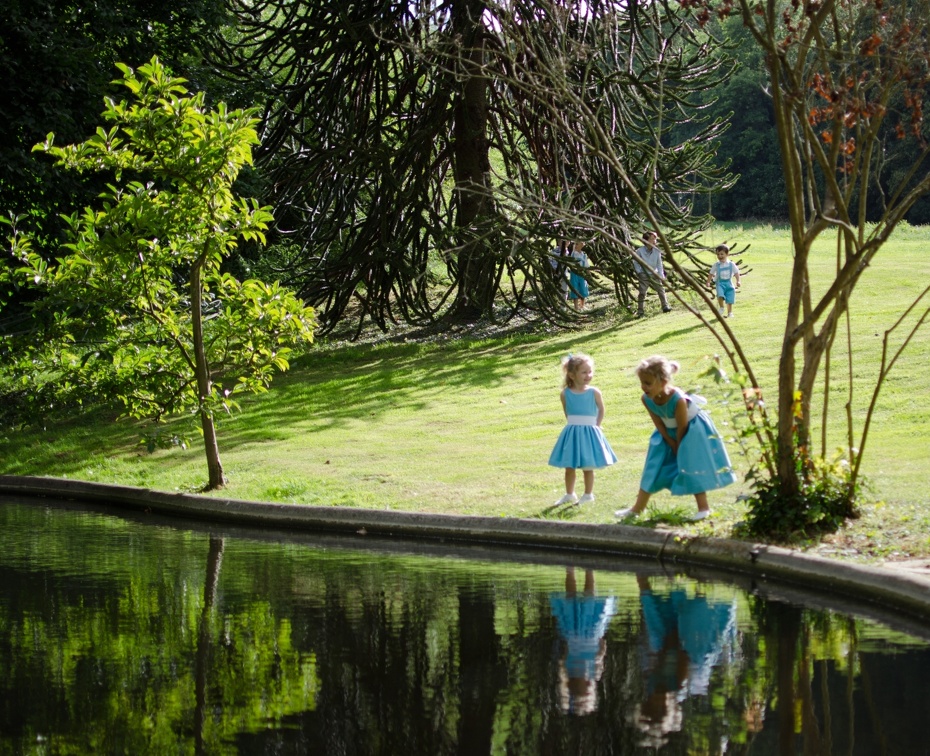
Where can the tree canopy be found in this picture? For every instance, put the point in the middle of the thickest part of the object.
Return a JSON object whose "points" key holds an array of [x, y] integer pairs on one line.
{"points": [[424, 156], [138, 307]]}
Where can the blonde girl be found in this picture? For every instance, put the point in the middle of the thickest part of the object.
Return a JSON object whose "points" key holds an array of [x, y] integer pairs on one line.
{"points": [[581, 444], [686, 453]]}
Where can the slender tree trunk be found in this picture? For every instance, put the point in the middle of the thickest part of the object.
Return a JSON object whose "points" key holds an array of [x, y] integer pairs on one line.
{"points": [[788, 480], [471, 165], [216, 478]]}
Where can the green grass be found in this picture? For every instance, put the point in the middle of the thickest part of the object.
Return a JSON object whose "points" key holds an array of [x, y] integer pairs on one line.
{"points": [[463, 426]]}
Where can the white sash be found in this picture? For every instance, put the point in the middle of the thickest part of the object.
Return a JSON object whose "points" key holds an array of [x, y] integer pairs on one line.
{"points": [[694, 407], [580, 420]]}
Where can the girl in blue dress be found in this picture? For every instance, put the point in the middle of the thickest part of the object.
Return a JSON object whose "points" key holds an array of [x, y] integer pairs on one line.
{"points": [[581, 444], [578, 290], [692, 460]]}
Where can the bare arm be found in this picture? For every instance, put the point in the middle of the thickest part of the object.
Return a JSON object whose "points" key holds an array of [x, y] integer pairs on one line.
{"points": [[681, 419], [599, 401], [660, 426]]}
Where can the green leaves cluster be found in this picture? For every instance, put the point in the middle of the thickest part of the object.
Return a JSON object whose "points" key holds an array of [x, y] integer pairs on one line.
{"points": [[138, 306]]}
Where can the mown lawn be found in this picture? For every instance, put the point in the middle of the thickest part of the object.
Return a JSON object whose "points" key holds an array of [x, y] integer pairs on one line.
{"points": [[459, 425]]}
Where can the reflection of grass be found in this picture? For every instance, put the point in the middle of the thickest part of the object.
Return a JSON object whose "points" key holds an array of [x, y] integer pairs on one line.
{"points": [[466, 426]]}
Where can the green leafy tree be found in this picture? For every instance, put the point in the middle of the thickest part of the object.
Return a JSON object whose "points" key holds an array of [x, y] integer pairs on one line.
{"points": [[138, 305]]}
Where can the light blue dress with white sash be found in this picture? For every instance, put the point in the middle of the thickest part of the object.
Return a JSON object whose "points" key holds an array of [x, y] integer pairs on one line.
{"points": [[581, 444], [702, 463]]}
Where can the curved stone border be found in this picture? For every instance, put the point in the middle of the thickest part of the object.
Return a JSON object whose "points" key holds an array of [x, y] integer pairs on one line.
{"points": [[890, 589]]}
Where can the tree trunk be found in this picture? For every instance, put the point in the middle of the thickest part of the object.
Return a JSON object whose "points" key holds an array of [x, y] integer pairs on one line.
{"points": [[789, 483], [216, 478], [471, 165]]}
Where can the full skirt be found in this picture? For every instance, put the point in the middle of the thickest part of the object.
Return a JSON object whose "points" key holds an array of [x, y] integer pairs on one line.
{"points": [[702, 463]]}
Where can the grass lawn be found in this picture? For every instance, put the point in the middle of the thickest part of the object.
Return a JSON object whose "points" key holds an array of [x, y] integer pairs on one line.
{"points": [[465, 426]]}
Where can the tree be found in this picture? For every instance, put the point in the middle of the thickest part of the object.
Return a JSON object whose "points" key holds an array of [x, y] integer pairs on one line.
{"points": [[423, 156], [841, 73], [56, 63], [138, 306]]}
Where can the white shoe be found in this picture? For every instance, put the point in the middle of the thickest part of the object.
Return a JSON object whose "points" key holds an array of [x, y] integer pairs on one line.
{"points": [[729, 314], [586, 498], [701, 514], [626, 514], [567, 499]]}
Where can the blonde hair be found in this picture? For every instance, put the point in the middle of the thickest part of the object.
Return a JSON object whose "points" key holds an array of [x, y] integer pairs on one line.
{"points": [[570, 365], [659, 367]]}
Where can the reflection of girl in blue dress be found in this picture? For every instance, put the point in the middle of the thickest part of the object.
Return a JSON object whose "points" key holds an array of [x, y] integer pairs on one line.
{"points": [[685, 638], [582, 622], [686, 453]]}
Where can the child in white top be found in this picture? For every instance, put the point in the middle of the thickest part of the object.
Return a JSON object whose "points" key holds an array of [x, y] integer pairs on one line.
{"points": [[725, 275]]}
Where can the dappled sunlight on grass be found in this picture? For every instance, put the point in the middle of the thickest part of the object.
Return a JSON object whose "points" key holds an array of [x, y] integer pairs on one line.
{"points": [[466, 426]]}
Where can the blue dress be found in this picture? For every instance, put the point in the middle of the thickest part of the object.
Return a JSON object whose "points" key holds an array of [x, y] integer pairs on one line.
{"points": [[577, 284], [701, 464], [581, 444], [705, 629], [582, 622]]}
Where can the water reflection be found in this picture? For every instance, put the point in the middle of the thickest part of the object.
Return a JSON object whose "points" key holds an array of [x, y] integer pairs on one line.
{"points": [[582, 620], [118, 636], [685, 638]]}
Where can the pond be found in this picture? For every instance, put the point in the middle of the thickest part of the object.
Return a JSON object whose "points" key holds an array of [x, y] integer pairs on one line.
{"points": [[127, 634]]}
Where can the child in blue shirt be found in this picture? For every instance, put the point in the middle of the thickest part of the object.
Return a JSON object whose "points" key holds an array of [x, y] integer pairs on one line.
{"points": [[725, 275]]}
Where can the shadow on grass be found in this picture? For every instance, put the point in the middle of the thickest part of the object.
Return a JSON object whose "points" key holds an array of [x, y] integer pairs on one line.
{"points": [[331, 385], [336, 384], [353, 383], [672, 334], [559, 512]]}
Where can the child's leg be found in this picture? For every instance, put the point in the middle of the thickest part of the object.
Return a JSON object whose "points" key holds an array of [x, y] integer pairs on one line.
{"points": [[589, 582], [701, 499], [588, 481], [569, 480], [570, 585], [720, 303], [642, 499]]}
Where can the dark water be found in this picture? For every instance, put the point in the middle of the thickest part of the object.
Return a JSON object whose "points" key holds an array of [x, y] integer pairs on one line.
{"points": [[120, 636]]}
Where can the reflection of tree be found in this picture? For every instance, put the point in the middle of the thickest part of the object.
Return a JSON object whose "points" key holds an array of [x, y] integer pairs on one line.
{"points": [[204, 636], [121, 637], [480, 671]]}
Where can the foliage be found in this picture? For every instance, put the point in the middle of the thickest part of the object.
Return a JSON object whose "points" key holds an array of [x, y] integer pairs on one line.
{"points": [[56, 63], [841, 73], [827, 498], [425, 158], [138, 307]]}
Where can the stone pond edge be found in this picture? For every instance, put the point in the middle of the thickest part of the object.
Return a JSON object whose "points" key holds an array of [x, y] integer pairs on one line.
{"points": [[888, 588]]}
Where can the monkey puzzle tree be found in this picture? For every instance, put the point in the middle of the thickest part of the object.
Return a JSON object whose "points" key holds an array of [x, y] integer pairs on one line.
{"points": [[422, 156], [137, 306]]}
